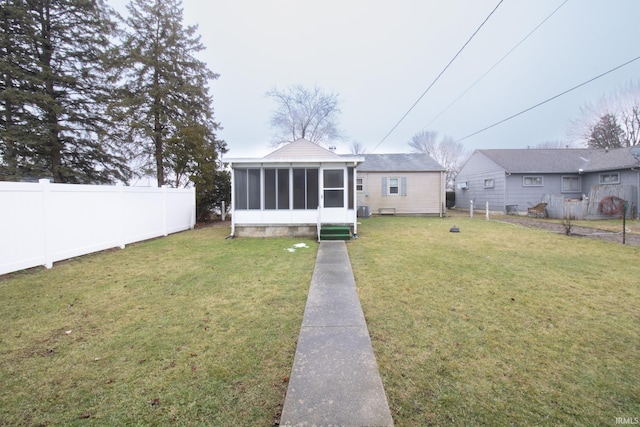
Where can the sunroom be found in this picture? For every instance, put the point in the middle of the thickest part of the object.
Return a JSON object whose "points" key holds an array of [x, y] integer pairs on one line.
{"points": [[297, 190]]}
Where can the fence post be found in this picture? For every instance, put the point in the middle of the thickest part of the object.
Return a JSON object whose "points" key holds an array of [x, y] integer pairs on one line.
{"points": [[46, 206], [120, 214], [223, 211], [471, 209], [486, 211], [193, 208], [164, 210]]}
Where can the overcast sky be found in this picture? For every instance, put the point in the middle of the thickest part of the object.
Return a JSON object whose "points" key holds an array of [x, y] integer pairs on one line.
{"points": [[380, 56]]}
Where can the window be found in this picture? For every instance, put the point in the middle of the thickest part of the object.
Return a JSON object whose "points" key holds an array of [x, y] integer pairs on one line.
{"points": [[359, 184], [393, 186], [305, 188], [333, 183], [532, 181], [276, 188], [488, 183], [610, 178], [247, 191], [571, 184]]}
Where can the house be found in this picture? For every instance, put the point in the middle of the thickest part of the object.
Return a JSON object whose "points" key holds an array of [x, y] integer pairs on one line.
{"points": [[401, 184], [512, 180], [293, 191]]}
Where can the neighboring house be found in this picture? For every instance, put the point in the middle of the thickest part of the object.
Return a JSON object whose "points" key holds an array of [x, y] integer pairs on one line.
{"points": [[292, 190], [402, 184], [516, 179]]}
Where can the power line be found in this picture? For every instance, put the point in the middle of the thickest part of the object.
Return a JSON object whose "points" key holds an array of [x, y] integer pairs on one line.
{"points": [[496, 64], [438, 77], [549, 99]]}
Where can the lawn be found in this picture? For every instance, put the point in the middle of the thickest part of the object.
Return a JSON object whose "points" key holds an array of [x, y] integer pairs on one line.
{"points": [[498, 324], [495, 325], [191, 329]]}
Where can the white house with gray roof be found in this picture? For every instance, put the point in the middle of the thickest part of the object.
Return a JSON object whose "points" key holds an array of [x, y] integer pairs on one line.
{"points": [[520, 178], [401, 184], [293, 191]]}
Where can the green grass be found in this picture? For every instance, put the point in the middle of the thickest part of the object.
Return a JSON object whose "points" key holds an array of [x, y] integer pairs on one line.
{"points": [[495, 325], [498, 324], [191, 329]]}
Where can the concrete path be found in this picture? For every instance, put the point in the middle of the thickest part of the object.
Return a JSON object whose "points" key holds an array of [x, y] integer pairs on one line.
{"points": [[335, 379]]}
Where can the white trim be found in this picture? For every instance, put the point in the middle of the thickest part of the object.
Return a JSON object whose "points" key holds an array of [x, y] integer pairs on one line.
{"points": [[342, 160]]}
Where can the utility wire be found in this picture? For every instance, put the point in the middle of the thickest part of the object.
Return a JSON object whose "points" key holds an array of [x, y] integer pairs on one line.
{"points": [[438, 77], [548, 100], [496, 64]]}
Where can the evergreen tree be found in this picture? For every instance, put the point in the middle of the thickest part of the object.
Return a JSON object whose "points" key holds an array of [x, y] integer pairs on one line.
{"points": [[53, 91], [607, 133], [164, 103]]}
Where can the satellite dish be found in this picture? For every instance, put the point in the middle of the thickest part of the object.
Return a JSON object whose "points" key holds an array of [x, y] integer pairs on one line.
{"points": [[635, 152]]}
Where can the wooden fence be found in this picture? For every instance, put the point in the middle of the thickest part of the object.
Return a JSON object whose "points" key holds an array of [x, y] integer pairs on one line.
{"points": [[589, 207]]}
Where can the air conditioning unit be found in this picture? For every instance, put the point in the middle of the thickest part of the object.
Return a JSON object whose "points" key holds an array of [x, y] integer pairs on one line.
{"points": [[463, 185]]}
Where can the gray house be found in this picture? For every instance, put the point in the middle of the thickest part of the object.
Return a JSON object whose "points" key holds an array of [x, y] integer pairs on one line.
{"points": [[513, 180]]}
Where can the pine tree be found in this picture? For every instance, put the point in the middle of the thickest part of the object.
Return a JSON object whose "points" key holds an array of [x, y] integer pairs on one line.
{"points": [[53, 93], [607, 133], [164, 103]]}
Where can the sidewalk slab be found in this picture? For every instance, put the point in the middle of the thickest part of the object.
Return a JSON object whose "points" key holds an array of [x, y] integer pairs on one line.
{"points": [[334, 380]]}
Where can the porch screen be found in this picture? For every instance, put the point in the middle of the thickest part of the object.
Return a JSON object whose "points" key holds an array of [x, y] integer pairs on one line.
{"points": [[305, 188], [247, 188], [276, 188]]}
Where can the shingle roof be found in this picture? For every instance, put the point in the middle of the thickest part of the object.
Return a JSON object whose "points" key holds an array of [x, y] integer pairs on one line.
{"points": [[301, 148], [403, 162], [568, 160]]}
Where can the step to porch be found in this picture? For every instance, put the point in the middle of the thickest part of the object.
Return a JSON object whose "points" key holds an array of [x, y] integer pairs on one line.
{"points": [[335, 232]]}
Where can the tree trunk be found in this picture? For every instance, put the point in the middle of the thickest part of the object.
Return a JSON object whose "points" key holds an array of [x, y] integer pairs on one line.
{"points": [[157, 131], [53, 145]]}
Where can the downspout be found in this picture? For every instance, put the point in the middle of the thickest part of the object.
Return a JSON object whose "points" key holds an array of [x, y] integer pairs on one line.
{"points": [[506, 190], [443, 193], [355, 198], [233, 202], [638, 196]]}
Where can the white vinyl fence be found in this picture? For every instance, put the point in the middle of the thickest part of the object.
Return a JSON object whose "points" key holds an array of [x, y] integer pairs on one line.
{"points": [[41, 223]]}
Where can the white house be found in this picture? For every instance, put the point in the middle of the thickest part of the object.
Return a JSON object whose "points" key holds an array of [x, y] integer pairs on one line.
{"points": [[296, 190]]}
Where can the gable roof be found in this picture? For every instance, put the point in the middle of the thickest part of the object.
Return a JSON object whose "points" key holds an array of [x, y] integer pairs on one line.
{"points": [[301, 148], [402, 162], [562, 160], [302, 151]]}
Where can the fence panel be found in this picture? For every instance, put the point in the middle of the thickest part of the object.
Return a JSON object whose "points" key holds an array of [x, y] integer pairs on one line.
{"points": [[41, 223]]}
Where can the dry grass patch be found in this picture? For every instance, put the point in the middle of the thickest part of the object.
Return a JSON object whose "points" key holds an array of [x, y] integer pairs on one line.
{"points": [[499, 325], [190, 329]]}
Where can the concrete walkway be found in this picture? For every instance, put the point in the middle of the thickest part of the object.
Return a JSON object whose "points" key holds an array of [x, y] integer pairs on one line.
{"points": [[335, 379]]}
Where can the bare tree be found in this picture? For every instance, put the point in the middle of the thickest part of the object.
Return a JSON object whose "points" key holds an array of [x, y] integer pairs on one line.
{"points": [[311, 114], [554, 144], [448, 153], [623, 105], [357, 147]]}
